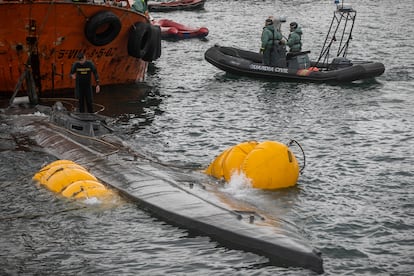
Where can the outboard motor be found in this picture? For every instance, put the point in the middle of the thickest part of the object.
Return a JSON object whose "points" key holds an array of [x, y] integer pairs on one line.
{"points": [[299, 60]]}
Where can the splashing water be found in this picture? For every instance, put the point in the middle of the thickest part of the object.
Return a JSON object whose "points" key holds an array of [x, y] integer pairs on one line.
{"points": [[92, 201], [239, 185]]}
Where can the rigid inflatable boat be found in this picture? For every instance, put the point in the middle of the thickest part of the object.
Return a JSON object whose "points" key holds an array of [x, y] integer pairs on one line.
{"points": [[184, 198], [299, 68]]}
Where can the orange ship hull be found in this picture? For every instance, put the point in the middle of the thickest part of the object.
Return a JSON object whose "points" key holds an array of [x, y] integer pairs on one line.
{"points": [[54, 32]]}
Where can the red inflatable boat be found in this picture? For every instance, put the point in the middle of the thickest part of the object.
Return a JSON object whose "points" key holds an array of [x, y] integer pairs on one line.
{"points": [[173, 30]]}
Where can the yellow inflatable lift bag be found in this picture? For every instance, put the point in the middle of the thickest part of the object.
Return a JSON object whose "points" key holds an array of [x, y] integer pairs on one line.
{"points": [[71, 179], [237, 154], [83, 189], [60, 179], [230, 160], [269, 165], [57, 169], [43, 170], [216, 167]]}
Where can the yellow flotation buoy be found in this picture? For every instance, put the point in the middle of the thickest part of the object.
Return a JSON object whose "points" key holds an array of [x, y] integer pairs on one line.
{"points": [[216, 167], [271, 165], [60, 179], [86, 189], [234, 159], [268, 165], [43, 170], [229, 161], [44, 179], [72, 180]]}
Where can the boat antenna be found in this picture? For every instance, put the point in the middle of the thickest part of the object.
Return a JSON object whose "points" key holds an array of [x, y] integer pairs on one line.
{"points": [[341, 28]]}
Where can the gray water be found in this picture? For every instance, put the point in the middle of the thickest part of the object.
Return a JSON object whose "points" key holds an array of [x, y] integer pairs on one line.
{"points": [[354, 201]]}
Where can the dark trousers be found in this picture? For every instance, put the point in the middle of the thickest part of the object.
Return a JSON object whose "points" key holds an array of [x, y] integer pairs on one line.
{"points": [[267, 56], [275, 56], [85, 97]]}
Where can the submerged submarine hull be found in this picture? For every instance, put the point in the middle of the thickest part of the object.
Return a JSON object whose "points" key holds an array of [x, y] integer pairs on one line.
{"points": [[177, 197]]}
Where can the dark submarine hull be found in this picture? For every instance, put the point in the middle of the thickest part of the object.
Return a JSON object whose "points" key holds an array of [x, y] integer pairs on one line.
{"points": [[175, 196]]}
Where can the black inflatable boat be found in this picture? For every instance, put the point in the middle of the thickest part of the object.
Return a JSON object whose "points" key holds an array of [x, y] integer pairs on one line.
{"points": [[327, 67], [299, 68]]}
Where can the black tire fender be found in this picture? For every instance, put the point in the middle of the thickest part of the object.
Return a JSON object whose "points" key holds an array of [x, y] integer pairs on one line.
{"points": [[106, 21], [155, 47], [139, 40]]}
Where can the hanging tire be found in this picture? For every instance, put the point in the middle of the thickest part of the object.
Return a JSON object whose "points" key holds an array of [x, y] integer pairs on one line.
{"points": [[155, 47], [139, 40], [102, 28]]}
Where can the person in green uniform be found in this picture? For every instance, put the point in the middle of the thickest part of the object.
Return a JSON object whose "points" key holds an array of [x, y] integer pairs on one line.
{"points": [[272, 48], [82, 71], [140, 6], [295, 38]]}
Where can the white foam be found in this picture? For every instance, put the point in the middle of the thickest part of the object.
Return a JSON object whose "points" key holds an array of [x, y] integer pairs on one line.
{"points": [[92, 201], [239, 186]]}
